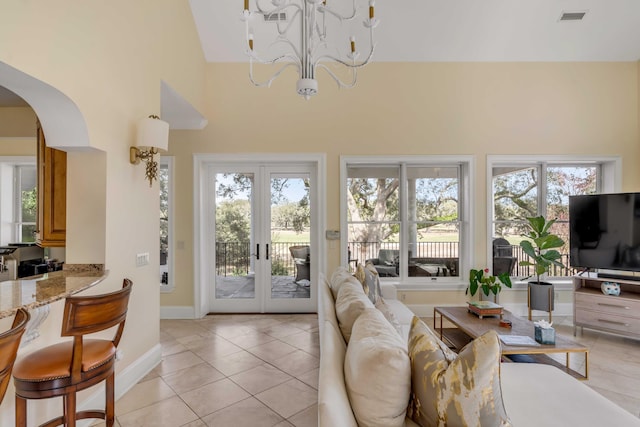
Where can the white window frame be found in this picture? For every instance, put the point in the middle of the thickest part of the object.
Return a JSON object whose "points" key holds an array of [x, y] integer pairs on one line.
{"points": [[610, 179], [17, 201], [169, 161], [8, 226], [467, 192]]}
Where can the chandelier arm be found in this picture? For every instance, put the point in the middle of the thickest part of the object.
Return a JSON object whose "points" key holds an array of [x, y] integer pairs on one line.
{"points": [[268, 82], [291, 21], [340, 83], [276, 9], [324, 9], [253, 57], [345, 63]]}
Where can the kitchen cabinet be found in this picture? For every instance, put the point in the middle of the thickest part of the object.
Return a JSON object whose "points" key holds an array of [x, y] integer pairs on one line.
{"points": [[51, 227]]}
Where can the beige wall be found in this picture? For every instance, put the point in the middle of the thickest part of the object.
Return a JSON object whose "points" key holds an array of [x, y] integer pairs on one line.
{"points": [[439, 108], [109, 58]]}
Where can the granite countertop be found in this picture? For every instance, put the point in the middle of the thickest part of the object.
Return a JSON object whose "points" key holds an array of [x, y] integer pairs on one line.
{"points": [[36, 291]]}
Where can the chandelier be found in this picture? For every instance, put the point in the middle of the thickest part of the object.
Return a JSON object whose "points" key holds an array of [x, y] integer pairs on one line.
{"points": [[301, 40]]}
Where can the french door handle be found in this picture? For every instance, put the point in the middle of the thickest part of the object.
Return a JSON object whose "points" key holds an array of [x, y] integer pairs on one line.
{"points": [[257, 250], [267, 251]]}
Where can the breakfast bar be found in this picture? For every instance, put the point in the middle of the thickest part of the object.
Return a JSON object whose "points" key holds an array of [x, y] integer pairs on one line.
{"points": [[36, 293]]}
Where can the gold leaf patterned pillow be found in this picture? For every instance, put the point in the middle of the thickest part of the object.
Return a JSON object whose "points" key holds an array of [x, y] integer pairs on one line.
{"points": [[463, 392], [372, 279], [362, 278]]}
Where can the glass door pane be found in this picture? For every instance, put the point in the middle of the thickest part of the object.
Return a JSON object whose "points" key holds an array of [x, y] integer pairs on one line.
{"points": [[290, 236], [235, 249]]}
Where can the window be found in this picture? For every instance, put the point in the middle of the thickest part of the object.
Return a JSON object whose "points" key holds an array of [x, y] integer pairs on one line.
{"points": [[521, 189], [18, 199], [165, 179], [407, 216], [26, 200]]}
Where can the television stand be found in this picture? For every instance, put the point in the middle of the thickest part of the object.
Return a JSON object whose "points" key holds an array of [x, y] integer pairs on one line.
{"points": [[614, 314]]}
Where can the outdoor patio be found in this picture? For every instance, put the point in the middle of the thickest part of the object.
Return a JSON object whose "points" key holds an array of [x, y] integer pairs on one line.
{"points": [[236, 287]]}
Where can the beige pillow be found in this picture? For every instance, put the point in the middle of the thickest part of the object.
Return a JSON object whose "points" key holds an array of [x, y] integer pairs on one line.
{"points": [[377, 372], [388, 314], [339, 277], [465, 392], [350, 303], [360, 275]]}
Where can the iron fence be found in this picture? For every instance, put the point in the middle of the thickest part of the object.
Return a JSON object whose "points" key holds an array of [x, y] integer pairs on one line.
{"points": [[234, 258]]}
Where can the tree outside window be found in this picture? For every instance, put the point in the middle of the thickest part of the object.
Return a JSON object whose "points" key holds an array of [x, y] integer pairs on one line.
{"points": [[521, 191]]}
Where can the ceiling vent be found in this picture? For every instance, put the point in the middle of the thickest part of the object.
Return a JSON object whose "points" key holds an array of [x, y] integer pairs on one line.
{"points": [[276, 17], [572, 16]]}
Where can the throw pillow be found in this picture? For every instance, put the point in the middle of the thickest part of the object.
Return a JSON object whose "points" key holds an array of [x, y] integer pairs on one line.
{"points": [[362, 278], [372, 279], [388, 314], [377, 372], [350, 303], [464, 392], [340, 276]]}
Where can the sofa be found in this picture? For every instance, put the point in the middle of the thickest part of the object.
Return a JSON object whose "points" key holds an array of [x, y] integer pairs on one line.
{"points": [[532, 394]]}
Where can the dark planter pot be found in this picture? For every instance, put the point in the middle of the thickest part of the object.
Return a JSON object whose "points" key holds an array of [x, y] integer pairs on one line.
{"points": [[541, 296]]}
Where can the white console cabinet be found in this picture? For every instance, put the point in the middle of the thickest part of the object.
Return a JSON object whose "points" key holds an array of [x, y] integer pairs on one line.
{"points": [[616, 314]]}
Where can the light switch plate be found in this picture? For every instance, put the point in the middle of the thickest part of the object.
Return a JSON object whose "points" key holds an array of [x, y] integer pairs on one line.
{"points": [[332, 234], [142, 259]]}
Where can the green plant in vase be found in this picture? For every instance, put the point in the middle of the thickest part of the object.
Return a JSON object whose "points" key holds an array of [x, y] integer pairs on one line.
{"points": [[488, 283], [541, 248]]}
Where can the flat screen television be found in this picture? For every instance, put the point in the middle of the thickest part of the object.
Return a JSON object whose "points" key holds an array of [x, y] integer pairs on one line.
{"points": [[605, 231]]}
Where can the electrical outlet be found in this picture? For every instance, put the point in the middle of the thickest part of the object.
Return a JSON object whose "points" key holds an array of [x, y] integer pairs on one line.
{"points": [[142, 259]]}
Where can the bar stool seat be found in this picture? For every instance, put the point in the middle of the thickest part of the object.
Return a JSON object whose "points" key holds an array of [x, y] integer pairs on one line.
{"points": [[9, 344], [66, 368]]}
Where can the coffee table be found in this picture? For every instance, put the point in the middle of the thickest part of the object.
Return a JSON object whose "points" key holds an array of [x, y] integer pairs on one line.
{"points": [[468, 326]]}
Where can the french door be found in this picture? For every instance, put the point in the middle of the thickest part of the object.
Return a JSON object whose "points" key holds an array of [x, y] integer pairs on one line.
{"points": [[261, 248]]}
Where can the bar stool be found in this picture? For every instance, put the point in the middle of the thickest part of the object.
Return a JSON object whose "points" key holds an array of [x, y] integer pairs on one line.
{"points": [[66, 368], [9, 343]]}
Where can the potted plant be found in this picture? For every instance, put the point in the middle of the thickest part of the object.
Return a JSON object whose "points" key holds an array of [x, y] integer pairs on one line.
{"points": [[540, 246], [488, 283]]}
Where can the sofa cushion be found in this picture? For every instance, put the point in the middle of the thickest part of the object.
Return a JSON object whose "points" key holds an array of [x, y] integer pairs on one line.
{"points": [[340, 276], [350, 303], [463, 391], [377, 372], [333, 402]]}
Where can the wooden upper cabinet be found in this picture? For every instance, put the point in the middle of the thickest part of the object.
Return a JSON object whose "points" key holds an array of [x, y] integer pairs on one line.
{"points": [[52, 195]]}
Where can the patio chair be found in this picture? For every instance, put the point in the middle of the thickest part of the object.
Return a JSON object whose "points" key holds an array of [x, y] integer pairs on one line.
{"points": [[387, 264], [503, 259], [301, 259]]}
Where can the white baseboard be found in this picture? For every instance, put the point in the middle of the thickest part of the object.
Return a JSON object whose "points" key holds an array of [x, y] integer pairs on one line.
{"points": [[177, 312], [125, 380]]}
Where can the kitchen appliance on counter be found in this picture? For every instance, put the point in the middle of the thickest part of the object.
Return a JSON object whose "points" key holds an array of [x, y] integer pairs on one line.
{"points": [[21, 260]]}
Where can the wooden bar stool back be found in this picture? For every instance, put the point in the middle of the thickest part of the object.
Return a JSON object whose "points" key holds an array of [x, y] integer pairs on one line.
{"points": [[66, 368], [9, 343]]}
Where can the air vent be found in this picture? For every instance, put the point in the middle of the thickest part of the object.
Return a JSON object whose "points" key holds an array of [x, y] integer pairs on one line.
{"points": [[276, 17], [572, 16]]}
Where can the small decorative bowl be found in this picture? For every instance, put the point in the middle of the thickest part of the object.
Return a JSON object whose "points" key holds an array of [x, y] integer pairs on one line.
{"points": [[610, 288]]}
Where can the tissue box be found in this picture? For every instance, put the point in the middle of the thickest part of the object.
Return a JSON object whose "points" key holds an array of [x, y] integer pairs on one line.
{"points": [[545, 336]]}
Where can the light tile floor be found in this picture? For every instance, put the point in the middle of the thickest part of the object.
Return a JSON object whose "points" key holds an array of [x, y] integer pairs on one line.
{"points": [[230, 370], [262, 370]]}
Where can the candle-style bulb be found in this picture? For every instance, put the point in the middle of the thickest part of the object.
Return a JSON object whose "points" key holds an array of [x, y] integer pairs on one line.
{"points": [[251, 40]]}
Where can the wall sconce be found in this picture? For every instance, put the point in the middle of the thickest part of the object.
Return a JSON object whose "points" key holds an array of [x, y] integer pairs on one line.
{"points": [[153, 135]]}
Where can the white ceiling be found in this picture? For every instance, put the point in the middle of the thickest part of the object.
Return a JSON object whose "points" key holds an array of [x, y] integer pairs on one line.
{"points": [[462, 30]]}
